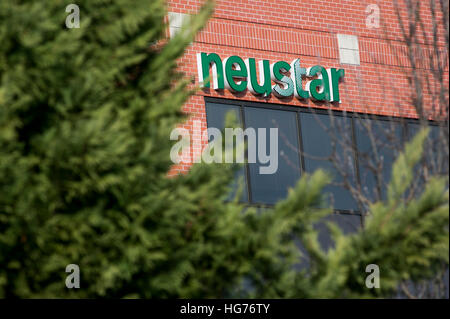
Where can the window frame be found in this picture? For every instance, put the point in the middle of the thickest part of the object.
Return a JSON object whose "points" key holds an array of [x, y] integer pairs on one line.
{"points": [[404, 121]]}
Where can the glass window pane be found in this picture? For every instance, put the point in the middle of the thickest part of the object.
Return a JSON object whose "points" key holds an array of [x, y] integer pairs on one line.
{"points": [[435, 157], [269, 188], [348, 223], [319, 133], [379, 151], [215, 116]]}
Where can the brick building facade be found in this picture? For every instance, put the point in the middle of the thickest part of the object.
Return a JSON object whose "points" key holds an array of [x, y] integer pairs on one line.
{"points": [[379, 67], [375, 59]]}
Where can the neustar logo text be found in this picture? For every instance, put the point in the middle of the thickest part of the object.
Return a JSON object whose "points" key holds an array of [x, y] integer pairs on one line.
{"points": [[236, 75]]}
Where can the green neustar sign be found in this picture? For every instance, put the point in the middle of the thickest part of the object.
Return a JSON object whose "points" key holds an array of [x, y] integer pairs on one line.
{"points": [[237, 75]]}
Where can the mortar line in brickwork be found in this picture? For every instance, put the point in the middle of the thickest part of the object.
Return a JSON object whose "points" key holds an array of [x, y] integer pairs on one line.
{"points": [[309, 55], [316, 30]]}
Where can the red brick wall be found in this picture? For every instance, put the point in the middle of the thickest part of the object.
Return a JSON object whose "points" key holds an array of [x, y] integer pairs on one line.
{"points": [[289, 29]]}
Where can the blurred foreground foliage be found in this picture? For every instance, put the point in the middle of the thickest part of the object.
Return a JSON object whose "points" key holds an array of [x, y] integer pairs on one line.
{"points": [[85, 119]]}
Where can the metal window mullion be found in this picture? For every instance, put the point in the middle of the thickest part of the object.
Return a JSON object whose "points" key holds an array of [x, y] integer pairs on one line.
{"points": [[246, 166], [300, 144]]}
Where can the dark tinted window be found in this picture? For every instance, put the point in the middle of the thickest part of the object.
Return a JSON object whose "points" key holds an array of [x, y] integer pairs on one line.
{"points": [[434, 161], [216, 116], [382, 148], [314, 131], [323, 138], [348, 223], [434, 156], [269, 188]]}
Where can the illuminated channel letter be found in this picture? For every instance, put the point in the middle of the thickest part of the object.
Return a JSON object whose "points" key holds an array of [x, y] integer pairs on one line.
{"points": [[264, 77], [335, 76], [319, 88], [296, 75], [204, 62], [235, 79], [284, 86], [235, 74]]}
